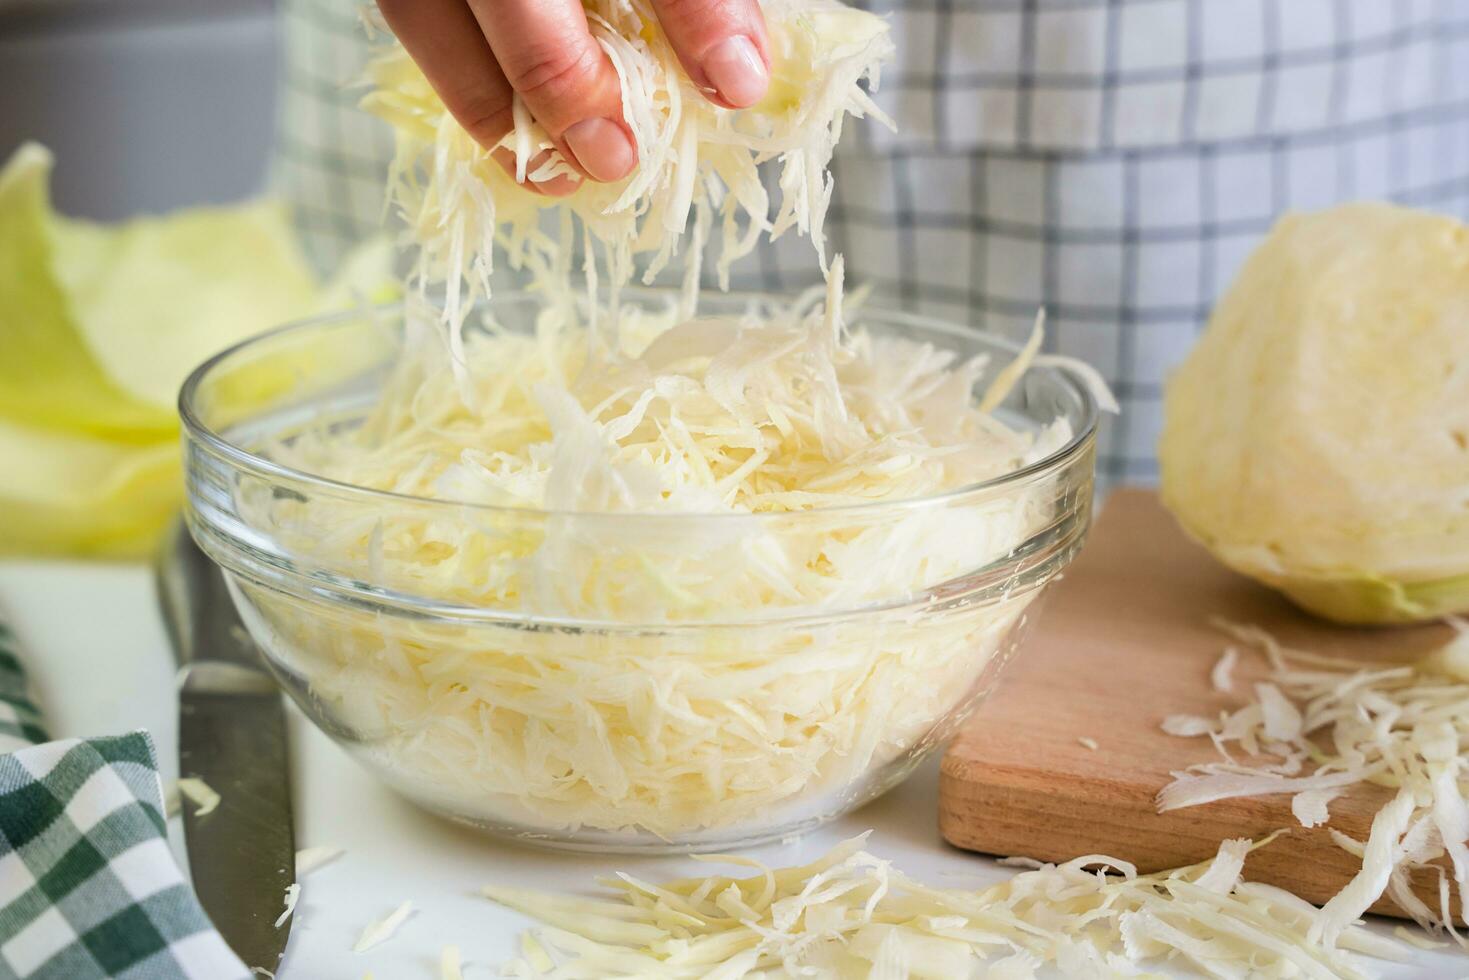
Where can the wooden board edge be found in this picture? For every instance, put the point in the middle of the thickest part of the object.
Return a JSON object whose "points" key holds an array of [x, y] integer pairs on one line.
{"points": [[1003, 820]]}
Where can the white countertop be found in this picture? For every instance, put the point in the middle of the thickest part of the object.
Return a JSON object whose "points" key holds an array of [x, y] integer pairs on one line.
{"points": [[92, 639]]}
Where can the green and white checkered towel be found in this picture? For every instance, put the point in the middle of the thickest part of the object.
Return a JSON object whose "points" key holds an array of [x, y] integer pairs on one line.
{"points": [[88, 887], [20, 719]]}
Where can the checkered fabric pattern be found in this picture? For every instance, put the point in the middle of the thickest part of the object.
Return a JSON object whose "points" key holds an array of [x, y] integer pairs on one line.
{"points": [[330, 157], [20, 719], [89, 889], [1112, 160]]}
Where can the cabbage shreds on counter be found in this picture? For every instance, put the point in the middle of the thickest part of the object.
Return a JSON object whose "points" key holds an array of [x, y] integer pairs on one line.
{"points": [[695, 159], [1319, 725], [787, 712], [851, 914]]}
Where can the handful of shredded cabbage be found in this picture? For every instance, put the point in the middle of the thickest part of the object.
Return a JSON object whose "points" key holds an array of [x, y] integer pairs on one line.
{"points": [[698, 164]]}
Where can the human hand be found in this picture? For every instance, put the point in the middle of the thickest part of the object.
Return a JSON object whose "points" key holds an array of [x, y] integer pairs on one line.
{"points": [[478, 54]]}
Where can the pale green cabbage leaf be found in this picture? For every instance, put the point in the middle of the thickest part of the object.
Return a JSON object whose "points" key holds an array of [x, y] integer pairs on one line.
{"points": [[99, 326]]}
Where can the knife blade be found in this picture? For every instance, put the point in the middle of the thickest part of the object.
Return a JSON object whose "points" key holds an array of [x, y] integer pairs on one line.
{"points": [[232, 735]]}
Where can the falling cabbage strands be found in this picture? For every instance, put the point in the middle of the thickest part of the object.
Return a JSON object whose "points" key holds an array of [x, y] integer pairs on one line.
{"points": [[698, 164]]}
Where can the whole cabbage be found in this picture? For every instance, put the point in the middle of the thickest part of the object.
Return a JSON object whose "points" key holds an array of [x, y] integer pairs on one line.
{"points": [[1317, 437]]}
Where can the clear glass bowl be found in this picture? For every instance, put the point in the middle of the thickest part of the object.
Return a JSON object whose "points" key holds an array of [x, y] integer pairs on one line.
{"points": [[719, 729]]}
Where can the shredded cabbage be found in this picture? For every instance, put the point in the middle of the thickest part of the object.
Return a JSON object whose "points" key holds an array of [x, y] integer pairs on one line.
{"points": [[308, 859], [782, 411], [851, 914], [199, 793], [1351, 722], [1221, 678], [381, 930], [293, 895], [808, 707], [450, 967]]}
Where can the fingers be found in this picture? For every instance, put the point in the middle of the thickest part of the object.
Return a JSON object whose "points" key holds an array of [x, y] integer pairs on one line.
{"points": [[722, 45], [548, 56], [443, 38], [478, 56]]}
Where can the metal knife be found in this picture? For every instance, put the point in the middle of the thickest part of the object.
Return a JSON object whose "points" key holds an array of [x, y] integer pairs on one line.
{"points": [[232, 735]]}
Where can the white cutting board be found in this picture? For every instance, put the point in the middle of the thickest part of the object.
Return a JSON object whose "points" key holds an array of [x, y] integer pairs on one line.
{"points": [[98, 656]]}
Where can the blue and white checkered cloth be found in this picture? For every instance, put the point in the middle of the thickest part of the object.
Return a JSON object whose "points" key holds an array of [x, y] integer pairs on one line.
{"points": [[1111, 160]]}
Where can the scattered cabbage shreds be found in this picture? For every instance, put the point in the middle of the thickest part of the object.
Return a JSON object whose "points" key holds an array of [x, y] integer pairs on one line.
{"points": [[850, 914], [695, 159], [308, 859], [1320, 725], [1417, 939], [382, 930], [293, 895], [199, 793], [449, 964], [1222, 676]]}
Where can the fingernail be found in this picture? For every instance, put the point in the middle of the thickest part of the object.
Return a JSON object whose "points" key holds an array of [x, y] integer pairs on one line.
{"points": [[736, 71], [602, 148]]}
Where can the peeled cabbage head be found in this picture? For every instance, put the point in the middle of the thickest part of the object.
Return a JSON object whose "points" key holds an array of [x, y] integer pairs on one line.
{"points": [[1317, 437]]}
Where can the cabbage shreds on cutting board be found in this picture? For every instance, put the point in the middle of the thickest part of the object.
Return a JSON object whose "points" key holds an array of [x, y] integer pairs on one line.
{"points": [[779, 719], [695, 159], [1319, 725], [851, 914]]}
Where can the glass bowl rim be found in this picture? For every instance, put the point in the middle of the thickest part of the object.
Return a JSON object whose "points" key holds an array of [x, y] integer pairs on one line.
{"points": [[195, 428]]}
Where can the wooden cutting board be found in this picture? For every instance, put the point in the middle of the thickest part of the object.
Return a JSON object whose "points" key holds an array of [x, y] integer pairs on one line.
{"points": [[1123, 641]]}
